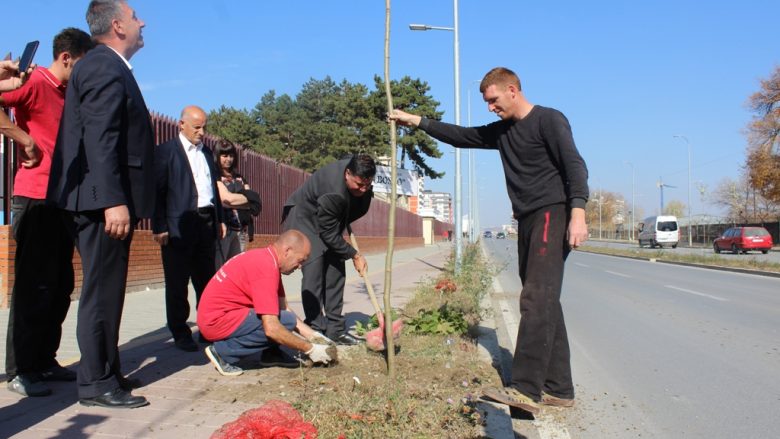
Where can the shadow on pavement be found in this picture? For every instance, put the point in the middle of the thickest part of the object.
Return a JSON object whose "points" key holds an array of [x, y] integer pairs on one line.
{"points": [[148, 358], [431, 265], [153, 356]]}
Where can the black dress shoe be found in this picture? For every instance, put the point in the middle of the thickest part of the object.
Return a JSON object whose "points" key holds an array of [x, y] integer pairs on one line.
{"points": [[115, 399], [346, 340], [128, 383], [186, 344], [58, 373]]}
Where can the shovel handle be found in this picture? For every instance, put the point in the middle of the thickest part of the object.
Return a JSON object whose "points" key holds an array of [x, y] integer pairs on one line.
{"points": [[369, 287]]}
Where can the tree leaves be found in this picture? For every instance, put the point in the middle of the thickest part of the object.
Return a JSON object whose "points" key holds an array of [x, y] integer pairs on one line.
{"points": [[328, 120], [763, 151]]}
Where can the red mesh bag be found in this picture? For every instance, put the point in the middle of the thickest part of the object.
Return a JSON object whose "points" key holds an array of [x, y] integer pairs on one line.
{"points": [[273, 420]]}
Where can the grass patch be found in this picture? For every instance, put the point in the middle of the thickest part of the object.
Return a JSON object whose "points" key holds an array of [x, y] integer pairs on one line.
{"points": [[433, 394], [439, 373], [674, 256]]}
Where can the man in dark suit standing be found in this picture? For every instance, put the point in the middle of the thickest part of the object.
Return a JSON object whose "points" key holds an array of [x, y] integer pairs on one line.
{"points": [[187, 219], [103, 174], [331, 199]]}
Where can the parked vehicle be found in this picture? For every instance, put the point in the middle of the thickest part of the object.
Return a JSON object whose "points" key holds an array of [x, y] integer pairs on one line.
{"points": [[659, 231], [500, 235], [487, 234], [744, 239]]}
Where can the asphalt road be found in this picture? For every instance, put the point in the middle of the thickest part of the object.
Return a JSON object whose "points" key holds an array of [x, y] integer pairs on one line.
{"points": [[661, 350]]}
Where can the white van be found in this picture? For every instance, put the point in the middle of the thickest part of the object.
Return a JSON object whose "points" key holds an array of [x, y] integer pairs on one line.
{"points": [[659, 231]]}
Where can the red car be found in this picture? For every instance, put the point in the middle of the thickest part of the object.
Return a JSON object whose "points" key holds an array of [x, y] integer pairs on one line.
{"points": [[744, 239]]}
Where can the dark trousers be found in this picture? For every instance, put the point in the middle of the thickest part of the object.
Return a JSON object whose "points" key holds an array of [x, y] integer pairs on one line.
{"points": [[249, 338], [191, 257], [323, 294], [43, 269], [104, 262], [228, 247], [542, 359]]}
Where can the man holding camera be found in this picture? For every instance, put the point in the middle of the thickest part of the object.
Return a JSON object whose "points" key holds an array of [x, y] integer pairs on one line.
{"points": [[43, 262]]}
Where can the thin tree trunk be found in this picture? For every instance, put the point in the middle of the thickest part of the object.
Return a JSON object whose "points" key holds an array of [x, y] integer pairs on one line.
{"points": [[389, 343]]}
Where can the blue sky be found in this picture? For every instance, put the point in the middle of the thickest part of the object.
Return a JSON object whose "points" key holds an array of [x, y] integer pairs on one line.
{"points": [[629, 75]]}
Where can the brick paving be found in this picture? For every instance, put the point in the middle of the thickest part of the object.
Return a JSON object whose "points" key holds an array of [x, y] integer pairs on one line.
{"points": [[175, 381]]}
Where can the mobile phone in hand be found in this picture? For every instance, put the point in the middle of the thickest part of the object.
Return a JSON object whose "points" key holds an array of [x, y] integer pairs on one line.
{"points": [[27, 56]]}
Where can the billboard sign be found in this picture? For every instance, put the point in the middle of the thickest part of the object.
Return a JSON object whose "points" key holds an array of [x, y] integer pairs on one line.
{"points": [[407, 181]]}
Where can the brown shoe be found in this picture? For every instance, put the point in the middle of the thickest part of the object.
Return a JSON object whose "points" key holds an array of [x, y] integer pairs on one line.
{"points": [[554, 401], [512, 397]]}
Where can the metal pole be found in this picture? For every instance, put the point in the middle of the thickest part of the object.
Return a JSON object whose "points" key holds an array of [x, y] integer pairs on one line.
{"points": [[690, 218], [600, 201], [631, 231], [633, 208], [458, 199], [688, 144], [472, 218]]}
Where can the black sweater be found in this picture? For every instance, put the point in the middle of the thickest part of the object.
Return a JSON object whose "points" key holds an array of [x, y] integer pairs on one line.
{"points": [[541, 163]]}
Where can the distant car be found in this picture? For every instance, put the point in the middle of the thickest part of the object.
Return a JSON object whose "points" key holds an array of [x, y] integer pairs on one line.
{"points": [[744, 239], [500, 235], [487, 234]]}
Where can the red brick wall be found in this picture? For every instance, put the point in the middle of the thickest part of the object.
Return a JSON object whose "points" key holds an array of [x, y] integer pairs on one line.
{"points": [[7, 250], [145, 270]]}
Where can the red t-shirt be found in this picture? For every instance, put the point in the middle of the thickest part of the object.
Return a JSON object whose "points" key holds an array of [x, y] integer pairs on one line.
{"points": [[249, 280], [37, 108]]}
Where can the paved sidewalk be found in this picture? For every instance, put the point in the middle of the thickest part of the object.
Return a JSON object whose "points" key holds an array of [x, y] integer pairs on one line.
{"points": [[174, 380]]}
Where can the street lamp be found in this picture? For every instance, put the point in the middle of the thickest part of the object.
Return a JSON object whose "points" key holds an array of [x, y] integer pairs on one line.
{"points": [[632, 200], [690, 236], [458, 203], [661, 185], [474, 223]]}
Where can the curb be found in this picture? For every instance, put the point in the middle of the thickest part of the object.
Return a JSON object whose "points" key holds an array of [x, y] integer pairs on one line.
{"points": [[498, 420], [690, 264]]}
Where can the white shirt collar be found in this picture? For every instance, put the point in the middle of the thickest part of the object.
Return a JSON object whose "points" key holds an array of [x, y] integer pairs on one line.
{"points": [[123, 58], [185, 142]]}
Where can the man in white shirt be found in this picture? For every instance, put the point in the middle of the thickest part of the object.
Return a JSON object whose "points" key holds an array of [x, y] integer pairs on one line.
{"points": [[187, 219]]}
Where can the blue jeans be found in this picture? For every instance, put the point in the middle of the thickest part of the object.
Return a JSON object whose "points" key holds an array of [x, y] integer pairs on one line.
{"points": [[249, 338]]}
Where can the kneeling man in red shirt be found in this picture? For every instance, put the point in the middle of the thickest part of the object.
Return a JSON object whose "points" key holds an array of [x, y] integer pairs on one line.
{"points": [[244, 310]]}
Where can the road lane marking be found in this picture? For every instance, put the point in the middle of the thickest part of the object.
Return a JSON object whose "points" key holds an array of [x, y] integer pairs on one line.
{"points": [[709, 296], [617, 274], [581, 265]]}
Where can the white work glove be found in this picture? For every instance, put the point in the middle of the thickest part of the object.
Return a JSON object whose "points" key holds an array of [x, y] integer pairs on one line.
{"points": [[318, 353], [318, 337]]}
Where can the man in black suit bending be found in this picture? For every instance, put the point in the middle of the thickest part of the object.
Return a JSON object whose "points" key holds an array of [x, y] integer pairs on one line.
{"points": [[103, 174], [187, 219], [331, 199]]}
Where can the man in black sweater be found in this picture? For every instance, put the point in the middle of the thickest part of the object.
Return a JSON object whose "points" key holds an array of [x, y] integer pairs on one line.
{"points": [[547, 183]]}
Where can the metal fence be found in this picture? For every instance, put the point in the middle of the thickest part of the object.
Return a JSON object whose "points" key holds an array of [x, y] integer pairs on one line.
{"points": [[274, 182]]}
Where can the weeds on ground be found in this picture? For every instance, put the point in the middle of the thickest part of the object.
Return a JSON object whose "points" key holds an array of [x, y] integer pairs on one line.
{"points": [[439, 373], [470, 284], [433, 395], [671, 255]]}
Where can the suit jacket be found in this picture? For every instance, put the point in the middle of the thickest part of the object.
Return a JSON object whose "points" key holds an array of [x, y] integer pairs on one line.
{"points": [[176, 208], [323, 207], [105, 145]]}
